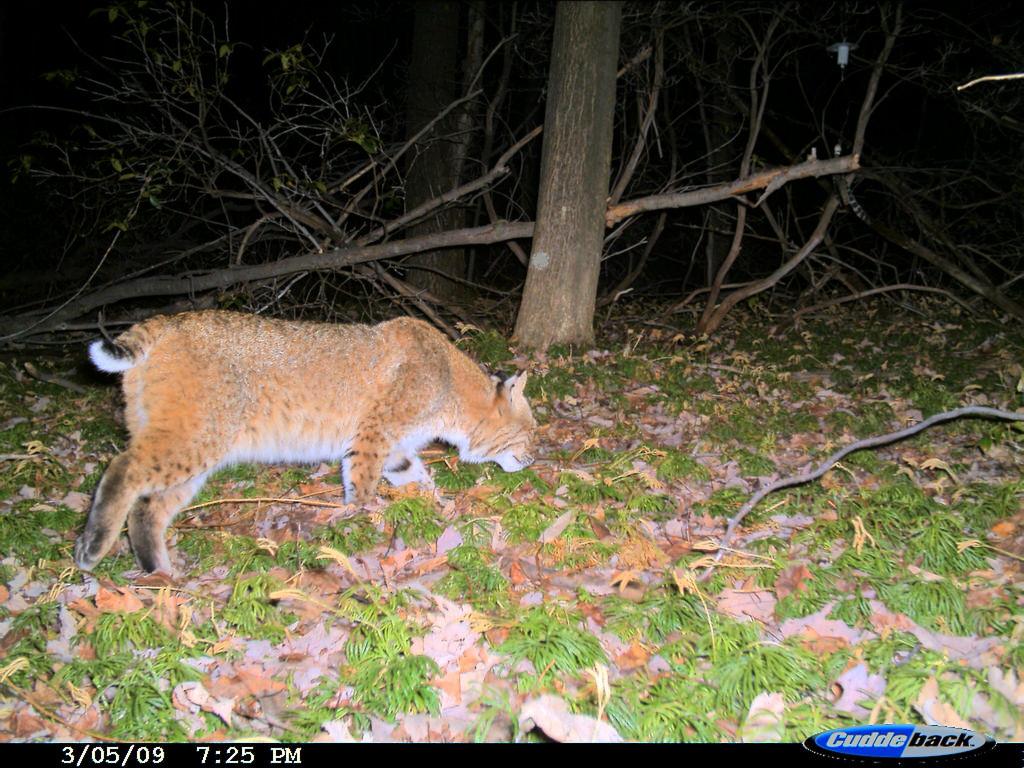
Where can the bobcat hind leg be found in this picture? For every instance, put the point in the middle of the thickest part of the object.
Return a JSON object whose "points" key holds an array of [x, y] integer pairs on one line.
{"points": [[149, 520], [139, 477], [117, 492]]}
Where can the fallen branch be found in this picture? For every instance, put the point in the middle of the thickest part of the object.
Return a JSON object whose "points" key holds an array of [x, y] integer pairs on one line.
{"points": [[976, 411], [774, 178], [49, 378], [268, 500], [874, 292], [331, 260]]}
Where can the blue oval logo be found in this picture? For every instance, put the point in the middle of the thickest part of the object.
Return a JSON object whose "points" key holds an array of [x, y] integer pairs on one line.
{"points": [[869, 743]]}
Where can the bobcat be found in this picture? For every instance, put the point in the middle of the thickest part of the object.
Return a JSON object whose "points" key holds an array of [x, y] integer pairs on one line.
{"points": [[208, 389]]}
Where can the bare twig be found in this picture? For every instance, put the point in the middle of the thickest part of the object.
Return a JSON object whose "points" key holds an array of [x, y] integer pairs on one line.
{"points": [[970, 411], [991, 78], [49, 378], [500, 169]]}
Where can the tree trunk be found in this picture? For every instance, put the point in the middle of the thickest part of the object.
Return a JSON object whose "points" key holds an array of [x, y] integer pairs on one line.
{"points": [[561, 282], [433, 85]]}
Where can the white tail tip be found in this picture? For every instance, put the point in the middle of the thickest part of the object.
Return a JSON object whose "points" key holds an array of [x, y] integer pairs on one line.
{"points": [[106, 361]]}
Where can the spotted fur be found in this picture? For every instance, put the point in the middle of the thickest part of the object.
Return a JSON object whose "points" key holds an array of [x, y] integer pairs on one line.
{"points": [[205, 390]]}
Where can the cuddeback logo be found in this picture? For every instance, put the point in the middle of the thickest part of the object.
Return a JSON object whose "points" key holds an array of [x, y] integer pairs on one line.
{"points": [[869, 743]]}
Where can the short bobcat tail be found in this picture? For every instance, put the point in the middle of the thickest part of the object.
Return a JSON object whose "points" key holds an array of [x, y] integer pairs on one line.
{"points": [[127, 350], [110, 356]]}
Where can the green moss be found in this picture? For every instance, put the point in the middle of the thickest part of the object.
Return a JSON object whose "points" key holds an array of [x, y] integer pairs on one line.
{"points": [[120, 632], [508, 482], [652, 505], [752, 464], [13, 438], [671, 708], [553, 642], [102, 431], [464, 476], [250, 611], [472, 578], [677, 464], [526, 522], [244, 553], [140, 708], [786, 668], [937, 605], [414, 520], [387, 679], [722, 503], [299, 555], [351, 535], [555, 384], [293, 477], [489, 347], [662, 613], [237, 473], [30, 531]]}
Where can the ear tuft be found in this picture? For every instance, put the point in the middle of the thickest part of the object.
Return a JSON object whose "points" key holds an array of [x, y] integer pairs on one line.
{"points": [[516, 385]]}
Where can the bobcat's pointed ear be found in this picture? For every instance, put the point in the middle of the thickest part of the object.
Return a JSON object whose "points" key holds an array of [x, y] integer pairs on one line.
{"points": [[516, 386]]}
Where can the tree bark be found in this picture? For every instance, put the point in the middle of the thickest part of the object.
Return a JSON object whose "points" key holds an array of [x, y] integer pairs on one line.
{"points": [[433, 85], [561, 282]]}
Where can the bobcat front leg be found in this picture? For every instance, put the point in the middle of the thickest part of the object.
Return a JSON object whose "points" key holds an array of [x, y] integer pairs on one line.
{"points": [[364, 463]]}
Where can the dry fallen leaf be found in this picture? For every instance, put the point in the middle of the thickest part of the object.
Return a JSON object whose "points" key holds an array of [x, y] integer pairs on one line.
{"points": [[934, 710], [247, 680], [77, 501], [554, 530], [1004, 528], [793, 579], [451, 685], [396, 562], [634, 657], [758, 605], [821, 645], [857, 684], [516, 574], [117, 600], [193, 696], [765, 720], [551, 715]]}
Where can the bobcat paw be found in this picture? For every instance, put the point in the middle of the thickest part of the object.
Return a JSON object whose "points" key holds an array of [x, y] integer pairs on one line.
{"points": [[87, 552]]}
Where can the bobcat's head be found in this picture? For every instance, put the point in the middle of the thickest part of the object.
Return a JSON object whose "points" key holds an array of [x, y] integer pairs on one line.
{"points": [[505, 434]]}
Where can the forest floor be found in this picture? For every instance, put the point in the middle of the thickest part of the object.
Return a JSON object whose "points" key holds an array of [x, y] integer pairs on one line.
{"points": [[562, 599]]}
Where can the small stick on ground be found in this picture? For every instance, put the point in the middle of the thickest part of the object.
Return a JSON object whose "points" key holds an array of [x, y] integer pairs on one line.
{"points": [[49, 378], [974, 411]]}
